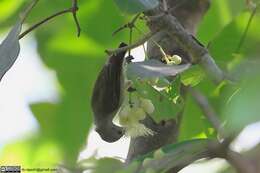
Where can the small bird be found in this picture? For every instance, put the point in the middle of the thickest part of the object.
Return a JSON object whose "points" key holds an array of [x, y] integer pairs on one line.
{"points": [[107, 97]]}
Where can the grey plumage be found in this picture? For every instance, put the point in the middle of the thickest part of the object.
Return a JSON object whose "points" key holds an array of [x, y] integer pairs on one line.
{"points": [[107, 97]]}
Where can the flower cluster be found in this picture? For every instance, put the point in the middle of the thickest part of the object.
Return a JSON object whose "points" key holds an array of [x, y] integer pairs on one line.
{"points": [[132, 113]]}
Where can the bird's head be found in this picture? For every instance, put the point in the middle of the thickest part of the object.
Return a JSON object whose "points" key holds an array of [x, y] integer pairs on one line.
{"points": [[110, 133]]}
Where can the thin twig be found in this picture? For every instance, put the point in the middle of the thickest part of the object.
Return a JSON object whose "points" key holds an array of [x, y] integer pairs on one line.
{"points": [[208, 111], [74, 13], [157, 44], [130, 40], [251, 4], [44, 21], [165, 6], [242, 40], [134, 45], [130, 24], [72, 10]]}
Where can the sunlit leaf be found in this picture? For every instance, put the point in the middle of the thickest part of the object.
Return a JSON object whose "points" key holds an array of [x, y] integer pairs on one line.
{"points": [[235, 40], [174, 88], [220, 14], [31, 153], [192, 76], [8, 7], [193, 123], [9, 12]]}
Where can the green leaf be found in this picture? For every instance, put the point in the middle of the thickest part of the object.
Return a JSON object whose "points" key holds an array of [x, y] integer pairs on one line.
{"points": [[45, 115], [165, 108], [193, 124], [9, 49], [226, 43], [9, 12], [220, 14], [7, 8], [86, 164], [136, 6], [105, 165], [108, 165], [174, 155], [173, 91], [192, 76], [33, 152], [242, 107], [234, 40]]}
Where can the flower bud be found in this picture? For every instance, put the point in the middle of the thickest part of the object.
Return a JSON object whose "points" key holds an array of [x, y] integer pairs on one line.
{"points": [[176, 59], [138, 113], [158, 154], [147, 105]]}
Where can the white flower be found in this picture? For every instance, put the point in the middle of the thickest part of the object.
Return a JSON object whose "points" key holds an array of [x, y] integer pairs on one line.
{"points": [[176, 59], [131, 114], [138, 129], [138, 113], [147, 105], [124, 112]]}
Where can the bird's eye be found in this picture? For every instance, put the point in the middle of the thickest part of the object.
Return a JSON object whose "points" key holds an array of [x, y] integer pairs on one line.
{"points": [[163, 122], [119, 132]]}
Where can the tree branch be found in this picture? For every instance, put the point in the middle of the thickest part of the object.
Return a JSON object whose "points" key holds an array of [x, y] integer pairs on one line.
{"points": [[240, 163], [186, 41]]}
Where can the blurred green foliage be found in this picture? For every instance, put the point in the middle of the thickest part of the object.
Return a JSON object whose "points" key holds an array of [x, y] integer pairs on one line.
{"points": [[224, 29], [76, 62], [64, 125]]}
